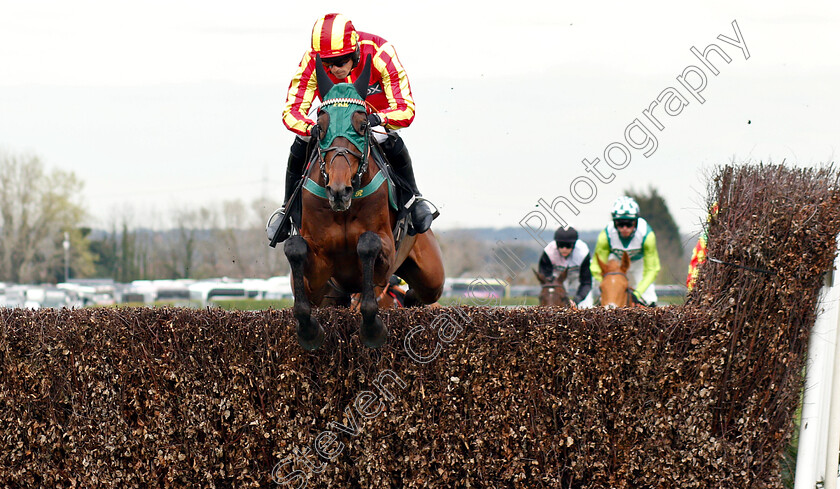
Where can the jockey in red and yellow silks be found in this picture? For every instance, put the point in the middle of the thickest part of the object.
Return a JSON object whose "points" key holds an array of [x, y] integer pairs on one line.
{"points": [[389, 92], [698, 256], [344, 51]]}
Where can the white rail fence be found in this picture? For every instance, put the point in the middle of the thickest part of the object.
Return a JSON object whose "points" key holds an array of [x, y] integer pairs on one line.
{"points": [[819, 432]]}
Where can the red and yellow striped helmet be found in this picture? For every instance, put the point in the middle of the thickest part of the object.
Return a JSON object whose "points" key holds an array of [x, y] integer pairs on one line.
{"points": [[334, 35]]}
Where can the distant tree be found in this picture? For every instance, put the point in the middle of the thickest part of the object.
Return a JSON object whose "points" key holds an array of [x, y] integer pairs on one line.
{"points": [[267, 261], [81, 258], [104, 251], [463, 254], [36, 208], [669, 243], [127, 260]]}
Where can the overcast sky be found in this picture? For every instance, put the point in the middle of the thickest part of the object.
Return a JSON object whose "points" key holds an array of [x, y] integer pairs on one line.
{"points": [[159, 104]]}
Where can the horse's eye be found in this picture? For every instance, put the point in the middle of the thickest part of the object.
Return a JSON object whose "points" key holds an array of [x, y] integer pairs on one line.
{"points": [[359, 121]]}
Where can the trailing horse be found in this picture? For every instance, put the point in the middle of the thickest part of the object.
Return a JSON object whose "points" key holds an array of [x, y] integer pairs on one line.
{"points": [[391, 296], [615, 287], [352, 235], [553, 293]]}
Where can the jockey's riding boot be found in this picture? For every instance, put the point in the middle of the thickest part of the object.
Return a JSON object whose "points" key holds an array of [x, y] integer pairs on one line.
{"points": [[294, 172], [398, 157]]}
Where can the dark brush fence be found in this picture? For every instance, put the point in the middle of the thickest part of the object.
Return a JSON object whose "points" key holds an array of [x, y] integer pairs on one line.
{"points": [[697, 396]]}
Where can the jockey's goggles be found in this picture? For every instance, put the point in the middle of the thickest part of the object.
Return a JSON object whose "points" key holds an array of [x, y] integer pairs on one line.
{"points": [[564, 244], [625, 223], [337, 61]]}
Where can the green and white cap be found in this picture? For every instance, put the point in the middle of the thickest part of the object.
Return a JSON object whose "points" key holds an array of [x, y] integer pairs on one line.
{"points": [[625, 208]]}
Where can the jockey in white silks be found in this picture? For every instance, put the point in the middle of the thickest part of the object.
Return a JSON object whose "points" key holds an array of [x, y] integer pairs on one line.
{"points": [[629, 232], [569, 253]]}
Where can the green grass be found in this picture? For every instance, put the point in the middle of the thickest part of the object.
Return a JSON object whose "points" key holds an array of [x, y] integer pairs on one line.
{"points": [[507, 301], [259, 305], [252, 304]]}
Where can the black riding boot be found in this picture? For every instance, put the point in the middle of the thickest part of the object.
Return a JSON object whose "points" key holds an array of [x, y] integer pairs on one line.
{"points": [[397, 155], [294, 172]]}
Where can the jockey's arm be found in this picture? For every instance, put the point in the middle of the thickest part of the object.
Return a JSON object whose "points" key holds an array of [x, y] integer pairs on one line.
{"points": [[545, 267], [585, 279], [400, 111], [602, 249], [300, 96], [650, 257]]}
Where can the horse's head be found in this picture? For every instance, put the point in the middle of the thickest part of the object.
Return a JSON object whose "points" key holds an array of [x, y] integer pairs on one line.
{"points": [[553, 292], [343, 142], [615, 288], [342, 163]]}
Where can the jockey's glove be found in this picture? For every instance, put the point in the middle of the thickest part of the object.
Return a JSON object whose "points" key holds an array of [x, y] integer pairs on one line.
{"points": [[315, 132], [374, 120], [638, 295]]}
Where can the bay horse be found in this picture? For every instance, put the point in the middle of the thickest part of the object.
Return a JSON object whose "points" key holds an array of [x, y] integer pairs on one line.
{"points": [[552, 292], [615, 286], [346, 241]]}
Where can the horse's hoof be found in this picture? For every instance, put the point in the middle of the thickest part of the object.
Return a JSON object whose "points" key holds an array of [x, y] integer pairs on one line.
{"points": [[312, 337], [375, 336]]}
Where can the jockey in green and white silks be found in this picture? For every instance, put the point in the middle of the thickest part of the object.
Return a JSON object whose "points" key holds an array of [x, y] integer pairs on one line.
{"points": [[631, 233], [569, 253]]}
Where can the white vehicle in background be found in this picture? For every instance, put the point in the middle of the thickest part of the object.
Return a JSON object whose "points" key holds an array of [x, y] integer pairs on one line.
{"points": [[92, 292], [13, 296], [36, 297], [273, 288], [150, 291], [205, 291]]}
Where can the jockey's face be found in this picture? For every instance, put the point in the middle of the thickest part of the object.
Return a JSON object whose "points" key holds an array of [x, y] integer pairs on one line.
{"points": [[565, 249], [625, 227], [342, 70]]}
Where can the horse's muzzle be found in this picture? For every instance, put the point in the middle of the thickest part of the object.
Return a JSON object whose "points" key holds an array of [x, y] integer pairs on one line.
{"points": [[339, 200]]}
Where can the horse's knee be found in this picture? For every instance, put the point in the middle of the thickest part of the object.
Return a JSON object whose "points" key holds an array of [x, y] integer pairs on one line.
{"points": [[430, 296], [296, 250], [370, 245]]}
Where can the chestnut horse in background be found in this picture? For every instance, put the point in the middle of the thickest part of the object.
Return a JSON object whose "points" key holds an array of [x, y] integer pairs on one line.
{"points": [[615, 287], [346, 241], [392, 296], [553, 293]]}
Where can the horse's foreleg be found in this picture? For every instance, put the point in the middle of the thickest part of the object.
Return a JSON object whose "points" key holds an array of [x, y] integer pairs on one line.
{"points": [[373, 332], [309, 332]]}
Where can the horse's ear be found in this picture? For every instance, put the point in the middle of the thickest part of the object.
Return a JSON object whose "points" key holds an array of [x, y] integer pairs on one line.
{"points": [[601, 264], [363, 81], [540, 277], [625, 262], [324, 82]]}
